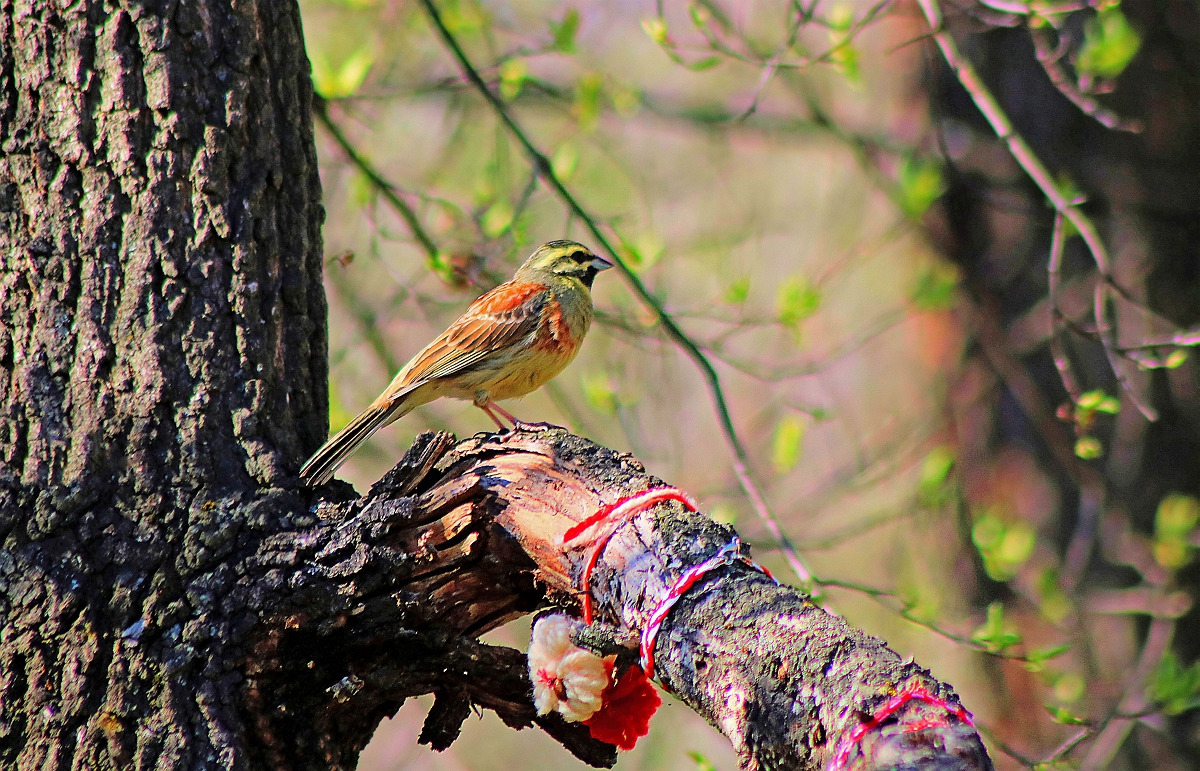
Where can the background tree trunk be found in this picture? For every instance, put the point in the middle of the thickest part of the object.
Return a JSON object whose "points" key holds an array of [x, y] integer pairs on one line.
{"points": [[1143, 191]]}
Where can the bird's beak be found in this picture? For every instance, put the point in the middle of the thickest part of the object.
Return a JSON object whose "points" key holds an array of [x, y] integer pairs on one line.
{"points": [[599, 264]]}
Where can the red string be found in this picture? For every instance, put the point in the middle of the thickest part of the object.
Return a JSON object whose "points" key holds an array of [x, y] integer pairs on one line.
{"points": [[913, 693], [607, 520], [729, 553]]}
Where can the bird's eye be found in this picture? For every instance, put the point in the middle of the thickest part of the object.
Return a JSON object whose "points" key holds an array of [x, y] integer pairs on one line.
{"points": [[580, 256]]}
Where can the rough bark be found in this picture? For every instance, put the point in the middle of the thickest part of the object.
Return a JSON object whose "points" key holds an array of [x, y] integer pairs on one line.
{"points": [[162, 360]]}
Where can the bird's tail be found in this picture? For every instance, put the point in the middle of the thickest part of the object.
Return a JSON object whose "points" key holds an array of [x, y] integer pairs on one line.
{"points": [[333, 453]]}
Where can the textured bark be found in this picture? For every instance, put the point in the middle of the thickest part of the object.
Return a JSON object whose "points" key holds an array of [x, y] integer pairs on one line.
{"points": [[162, 360]]}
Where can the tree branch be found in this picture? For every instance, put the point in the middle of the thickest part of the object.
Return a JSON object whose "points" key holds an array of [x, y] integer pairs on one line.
{"points": [[376, 601]]}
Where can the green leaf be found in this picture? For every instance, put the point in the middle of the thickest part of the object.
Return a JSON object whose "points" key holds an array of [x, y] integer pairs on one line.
{"points": [[738, 291], [1035, 660], [513, 74], [498, 218], [564, 32], [935, 471], [937, 287], [1176, 516], [1088, 447], [336, 82], [644, 251], [1176, 359], [1063, 716], [702, 763], [1174, 521], [993, 635], [1053, 602], [921, 184], [656, 28], [704, 64], [625, 100], [788, 441], [1175, 687], [796, 301], [599, 393], [1005, 547], [1109, 44], [587, 101], [564, 161]]}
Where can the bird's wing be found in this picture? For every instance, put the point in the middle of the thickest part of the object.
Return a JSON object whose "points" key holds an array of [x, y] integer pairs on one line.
{"points": [[501, 318]]}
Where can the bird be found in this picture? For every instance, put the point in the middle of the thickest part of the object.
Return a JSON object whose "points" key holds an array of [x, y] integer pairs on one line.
{"points": [[511, 341]]}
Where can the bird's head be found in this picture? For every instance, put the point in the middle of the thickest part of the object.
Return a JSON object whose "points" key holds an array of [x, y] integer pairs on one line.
{"points": [[565, 258]]}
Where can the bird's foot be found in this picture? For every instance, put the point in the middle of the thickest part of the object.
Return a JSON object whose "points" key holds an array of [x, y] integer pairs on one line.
{"points": [[521, 425]]}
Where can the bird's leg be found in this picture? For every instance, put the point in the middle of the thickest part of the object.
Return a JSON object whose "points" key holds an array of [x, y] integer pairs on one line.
{"points": [[488, 407]]}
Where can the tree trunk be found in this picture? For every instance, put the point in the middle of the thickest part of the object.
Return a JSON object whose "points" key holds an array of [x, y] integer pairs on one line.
{"points": [[171, 596], [162, 362]]}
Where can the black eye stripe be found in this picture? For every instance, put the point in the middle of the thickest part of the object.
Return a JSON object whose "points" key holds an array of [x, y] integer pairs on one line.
{"points": [[581, 256]]}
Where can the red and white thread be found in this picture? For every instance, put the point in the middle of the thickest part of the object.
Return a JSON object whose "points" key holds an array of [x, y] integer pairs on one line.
{"points": [[726, 555], [913, 693]]}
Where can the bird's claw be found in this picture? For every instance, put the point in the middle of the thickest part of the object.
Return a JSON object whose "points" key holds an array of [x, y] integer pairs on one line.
{"points": [[521, 425]]}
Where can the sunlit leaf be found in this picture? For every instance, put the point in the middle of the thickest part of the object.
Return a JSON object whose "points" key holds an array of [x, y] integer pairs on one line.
{"points": [[1035, 660], [787, 443], [1174, 686], [564, 31], [513, 74], [796, 301], [1053, 602], [1176, 516], [1109, 44], [497, 218], [738, 291], [1005, 547], [360, 190], [626, 101], [1174, 522], [587, 101], [599, 393], [1088, 447], [644, 251], [338, 81], [564, 160], [937, 287], [920, 184], [935, 471], [1176, 359], [656, 28], [993, 635], [1064, 716]]}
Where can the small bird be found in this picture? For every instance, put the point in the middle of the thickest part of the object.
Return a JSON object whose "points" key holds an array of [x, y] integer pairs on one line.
{"points": [[509, 343]]}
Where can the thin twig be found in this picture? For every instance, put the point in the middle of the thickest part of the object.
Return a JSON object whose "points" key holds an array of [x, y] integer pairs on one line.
{"points": [[712, 380], [387, 189], [1062, 362], [1033, 167], [1050, 56]]}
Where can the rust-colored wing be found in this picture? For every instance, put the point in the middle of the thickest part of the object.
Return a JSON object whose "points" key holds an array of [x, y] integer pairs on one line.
{"points": [[504, 317]]}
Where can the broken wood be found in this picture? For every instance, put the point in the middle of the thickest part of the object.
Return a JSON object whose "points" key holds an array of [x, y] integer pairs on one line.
{"points": [[460, 538]]}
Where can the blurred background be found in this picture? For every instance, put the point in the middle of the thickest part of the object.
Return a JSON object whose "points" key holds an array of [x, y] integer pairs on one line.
{"points": [[808, 192]]}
